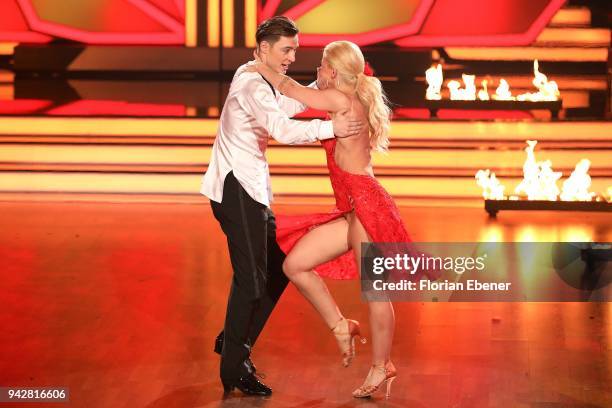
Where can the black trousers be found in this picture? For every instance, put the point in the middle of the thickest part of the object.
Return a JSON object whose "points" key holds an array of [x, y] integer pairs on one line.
{"points": [[258, 280]]}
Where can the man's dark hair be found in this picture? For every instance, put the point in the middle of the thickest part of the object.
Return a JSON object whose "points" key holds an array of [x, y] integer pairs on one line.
{"points": [[274, 28]]}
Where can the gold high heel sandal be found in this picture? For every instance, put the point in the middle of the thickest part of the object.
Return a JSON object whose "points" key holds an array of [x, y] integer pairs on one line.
{"points": [[367, 390], [345, 331]]}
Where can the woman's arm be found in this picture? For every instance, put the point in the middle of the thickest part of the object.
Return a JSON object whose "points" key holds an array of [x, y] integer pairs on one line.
{"points": [[330, 100]]}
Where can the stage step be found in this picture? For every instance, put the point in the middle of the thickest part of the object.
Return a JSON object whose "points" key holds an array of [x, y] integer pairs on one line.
{"points": [[401, 161], [283, 185], [152, 157], [571, 17], [308, 185], [92, 130]]}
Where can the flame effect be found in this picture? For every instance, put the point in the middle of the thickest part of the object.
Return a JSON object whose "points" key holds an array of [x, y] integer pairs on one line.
{"points": [[576, 187], [502, 93], [434, 80], [540, 181], [483, 94], [463, 94], [547, 90], [491, 187]]}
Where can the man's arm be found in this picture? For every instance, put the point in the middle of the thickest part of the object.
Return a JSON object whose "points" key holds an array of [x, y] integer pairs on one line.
{"points": [[257, 99]]}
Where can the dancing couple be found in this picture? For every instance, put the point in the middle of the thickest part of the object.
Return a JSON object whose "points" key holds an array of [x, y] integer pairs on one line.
{"points": [[266, 253]]}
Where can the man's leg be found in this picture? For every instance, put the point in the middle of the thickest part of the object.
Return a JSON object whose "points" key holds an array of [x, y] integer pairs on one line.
{"points": [[276, 284], [244, 223], [276, 280]]}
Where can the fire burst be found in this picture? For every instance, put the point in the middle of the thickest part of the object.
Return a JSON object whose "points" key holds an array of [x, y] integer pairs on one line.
{"points": [[547, 90], [540, 181]]}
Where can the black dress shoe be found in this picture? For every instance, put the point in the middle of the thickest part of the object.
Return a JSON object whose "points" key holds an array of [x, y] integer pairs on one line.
{"points": [[219, 348], [249, 385]]}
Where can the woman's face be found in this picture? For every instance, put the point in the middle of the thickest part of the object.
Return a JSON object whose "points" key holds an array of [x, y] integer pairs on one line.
{"points": [[325, 75]]}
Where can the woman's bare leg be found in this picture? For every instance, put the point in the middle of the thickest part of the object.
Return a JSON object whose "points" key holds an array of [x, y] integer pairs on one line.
{"points": [[382, 317], [319, 245]]}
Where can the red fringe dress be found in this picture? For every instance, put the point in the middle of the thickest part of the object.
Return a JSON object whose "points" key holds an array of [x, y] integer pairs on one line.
{"points": [[372, 204]]}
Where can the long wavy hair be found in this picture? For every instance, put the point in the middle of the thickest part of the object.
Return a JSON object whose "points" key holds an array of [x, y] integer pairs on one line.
{"points": [[347, 59]]}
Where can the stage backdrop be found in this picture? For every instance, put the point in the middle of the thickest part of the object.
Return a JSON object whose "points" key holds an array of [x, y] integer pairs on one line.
{"points": [[229, 23]]}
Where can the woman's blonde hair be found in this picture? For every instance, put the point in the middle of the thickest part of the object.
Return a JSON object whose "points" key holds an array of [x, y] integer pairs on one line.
{"points": [[346, 58]]}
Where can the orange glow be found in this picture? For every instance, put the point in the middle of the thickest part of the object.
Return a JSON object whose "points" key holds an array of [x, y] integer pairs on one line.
{"points": [[577, 233], [576, 99], [191, 111], [250, 22], [227, 11], [191, 23], [104, 154], [7, 48], [7, 92], [528, 233], [213, 23], [529, 53], [492, 233], [292, 160], [189, 183], [400, 130], [584, 131], [575, 36], [107, 127], [100, 183], [113, 139], [213, 111], [572, 16], [7, 76]]}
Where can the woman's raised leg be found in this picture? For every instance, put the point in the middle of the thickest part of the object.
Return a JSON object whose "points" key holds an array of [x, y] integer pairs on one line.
{"points": [[323, 243], [320, 245]]}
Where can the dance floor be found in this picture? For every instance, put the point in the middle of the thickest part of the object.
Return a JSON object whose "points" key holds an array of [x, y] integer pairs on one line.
{"points": [[121, 303]]}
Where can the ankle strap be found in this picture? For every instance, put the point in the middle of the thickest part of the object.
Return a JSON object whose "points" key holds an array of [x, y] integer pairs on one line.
{"points": [[383, 367]]}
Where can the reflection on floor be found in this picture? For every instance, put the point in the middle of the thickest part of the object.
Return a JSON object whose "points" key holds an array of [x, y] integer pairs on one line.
{"points": [[121, 303]]}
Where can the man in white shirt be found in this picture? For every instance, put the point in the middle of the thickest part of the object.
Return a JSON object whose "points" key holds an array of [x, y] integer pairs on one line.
{"points": [[237, 183]]}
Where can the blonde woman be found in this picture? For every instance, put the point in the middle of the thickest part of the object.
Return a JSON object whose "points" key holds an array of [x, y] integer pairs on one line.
{"points": [[330, 244]]}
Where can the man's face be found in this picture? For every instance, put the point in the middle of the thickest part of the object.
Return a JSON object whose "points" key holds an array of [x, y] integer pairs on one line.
{"points": [[282, 54]]}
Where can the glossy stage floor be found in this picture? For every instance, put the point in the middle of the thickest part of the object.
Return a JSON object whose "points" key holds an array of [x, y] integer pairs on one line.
{"points": [[121, 302]]}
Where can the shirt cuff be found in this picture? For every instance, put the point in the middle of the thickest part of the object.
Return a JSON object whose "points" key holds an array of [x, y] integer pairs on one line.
{"points": [[326, 131]]}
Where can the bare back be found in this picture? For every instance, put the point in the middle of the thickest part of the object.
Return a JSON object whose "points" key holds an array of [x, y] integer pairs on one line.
{"points": [[353, 153]]}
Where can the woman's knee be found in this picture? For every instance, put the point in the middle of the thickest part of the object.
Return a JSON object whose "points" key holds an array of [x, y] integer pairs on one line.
{"points": [[291, 267]]}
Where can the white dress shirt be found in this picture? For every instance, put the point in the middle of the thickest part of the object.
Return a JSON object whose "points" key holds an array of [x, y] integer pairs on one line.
{"points": [[251, 113]]}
